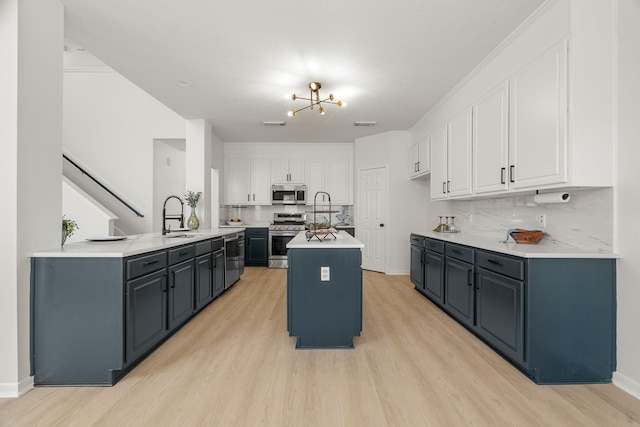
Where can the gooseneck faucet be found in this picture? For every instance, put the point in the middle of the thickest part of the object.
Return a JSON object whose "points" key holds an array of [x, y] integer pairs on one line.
{"points": [[180, 217]]}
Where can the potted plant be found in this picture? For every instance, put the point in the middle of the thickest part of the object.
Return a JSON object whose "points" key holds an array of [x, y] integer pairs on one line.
{"points": [[69, 226], [192, 198]]}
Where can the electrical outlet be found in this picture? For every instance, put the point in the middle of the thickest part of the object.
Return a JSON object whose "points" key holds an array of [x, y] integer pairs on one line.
{"points": [[324, 274], [542, 220]]}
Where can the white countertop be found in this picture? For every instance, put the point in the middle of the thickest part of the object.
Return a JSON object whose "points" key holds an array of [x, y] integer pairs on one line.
{"points": [[343, 240], [245, 225], [133, 245], [541, 250]]}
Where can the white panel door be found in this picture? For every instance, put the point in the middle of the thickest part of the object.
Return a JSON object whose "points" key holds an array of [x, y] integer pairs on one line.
{"points": [[538, 110], [439, 163], [371, 226], [491, 141], [459, 154]]}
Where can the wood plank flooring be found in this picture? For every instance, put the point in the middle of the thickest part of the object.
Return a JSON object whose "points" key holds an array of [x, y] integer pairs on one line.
{"points": [[235, 365]]}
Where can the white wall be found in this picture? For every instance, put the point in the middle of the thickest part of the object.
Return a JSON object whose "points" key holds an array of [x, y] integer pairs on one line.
{"points": [[110, 125], [628, 196], [169, 166], [407, 199], [93, 219], [31, 33]]}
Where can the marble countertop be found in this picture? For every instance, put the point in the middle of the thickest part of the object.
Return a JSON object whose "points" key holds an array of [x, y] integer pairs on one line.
{"points": [[245, 225], [342, 240], [541, 250], [134, 245]]}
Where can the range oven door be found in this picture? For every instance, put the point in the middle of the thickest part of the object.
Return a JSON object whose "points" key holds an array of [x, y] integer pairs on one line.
{"points": [[278, 247]]}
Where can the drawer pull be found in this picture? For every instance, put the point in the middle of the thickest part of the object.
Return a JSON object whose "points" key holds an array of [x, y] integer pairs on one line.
{"points": [[184, 253], [494, 262], [147, 263], [456, 251]]}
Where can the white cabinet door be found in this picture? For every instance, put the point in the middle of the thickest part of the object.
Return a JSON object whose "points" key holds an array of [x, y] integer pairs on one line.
{"points": [[439, 163], [315, 178], [419, 164], [287, 171], [261, 181], [412, 165], [238, 181], [248, 181], [491, 141], [339, 181], [459, 154], [538, 119], [279, 171], [424, 162], [296, 171]]}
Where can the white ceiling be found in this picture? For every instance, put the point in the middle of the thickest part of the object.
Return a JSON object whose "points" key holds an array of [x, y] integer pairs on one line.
{"points": [[391, 61]]}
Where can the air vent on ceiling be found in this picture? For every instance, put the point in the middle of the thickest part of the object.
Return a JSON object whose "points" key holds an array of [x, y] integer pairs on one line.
{"points": [[364, 123], [273, 123]]}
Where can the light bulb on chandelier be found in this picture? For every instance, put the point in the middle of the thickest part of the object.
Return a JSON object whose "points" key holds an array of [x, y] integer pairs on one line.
{"points": [[314, 88]]}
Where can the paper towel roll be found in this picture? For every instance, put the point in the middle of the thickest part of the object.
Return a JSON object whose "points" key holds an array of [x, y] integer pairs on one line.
{"points": [[552, 198]]}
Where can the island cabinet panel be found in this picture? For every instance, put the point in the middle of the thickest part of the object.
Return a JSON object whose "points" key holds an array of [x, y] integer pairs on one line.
{"points": [[324, 313], [77, 321]]}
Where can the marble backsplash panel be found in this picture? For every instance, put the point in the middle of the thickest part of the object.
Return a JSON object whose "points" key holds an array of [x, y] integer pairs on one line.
{"points": [[261, 215], [585, 222]]}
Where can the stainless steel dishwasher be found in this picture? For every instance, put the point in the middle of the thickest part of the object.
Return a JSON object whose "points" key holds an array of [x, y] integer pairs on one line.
{"points": [[234, 258]]}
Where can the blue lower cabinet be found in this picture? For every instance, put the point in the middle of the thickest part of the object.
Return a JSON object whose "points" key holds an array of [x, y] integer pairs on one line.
{"points": [[554, 319], [256, 247]]}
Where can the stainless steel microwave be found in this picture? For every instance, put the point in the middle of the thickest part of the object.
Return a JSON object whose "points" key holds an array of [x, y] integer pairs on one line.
{"points": [[288, 194]]}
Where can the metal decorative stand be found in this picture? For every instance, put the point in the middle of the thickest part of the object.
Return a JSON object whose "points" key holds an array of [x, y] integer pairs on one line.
{"points": [[310, 234]]}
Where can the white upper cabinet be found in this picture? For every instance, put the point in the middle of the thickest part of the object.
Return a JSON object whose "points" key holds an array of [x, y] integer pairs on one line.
{"points": [[247, 181], [459, 154], [419, 164], [451, 157], [287, 171], [334, 176], [439, 163], [491, 141], [538, 121]]}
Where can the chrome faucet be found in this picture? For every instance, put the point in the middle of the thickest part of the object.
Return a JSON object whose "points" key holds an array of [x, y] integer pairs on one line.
{"points": [[180, 217]]}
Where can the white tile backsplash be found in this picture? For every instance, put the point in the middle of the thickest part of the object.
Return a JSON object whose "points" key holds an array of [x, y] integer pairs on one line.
{"points": [[585, 222], [264, 214]]}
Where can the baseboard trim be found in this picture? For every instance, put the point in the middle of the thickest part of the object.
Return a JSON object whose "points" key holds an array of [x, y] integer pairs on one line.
{"points": [[397, 273], [627, 384], [8, 390]]}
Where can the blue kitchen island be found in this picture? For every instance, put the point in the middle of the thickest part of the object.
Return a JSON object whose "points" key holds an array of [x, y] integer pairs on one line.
{"points": [[324, 291]]}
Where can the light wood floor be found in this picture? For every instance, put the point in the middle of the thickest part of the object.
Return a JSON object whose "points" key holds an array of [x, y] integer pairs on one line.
{"points": [[235, 365]]}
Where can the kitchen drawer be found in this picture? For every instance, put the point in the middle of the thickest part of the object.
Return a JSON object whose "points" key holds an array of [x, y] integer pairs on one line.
{"points": [[146, 264], [501, 264], [417, 240], [182, 253], [462, 253], [217, 244], [203, 247], [434, 245]]}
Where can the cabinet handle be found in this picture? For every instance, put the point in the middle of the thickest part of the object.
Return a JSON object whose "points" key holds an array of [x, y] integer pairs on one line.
{"points": [[248, 197], [448, 186], [512, 173], [184, 253], [173, 279], [502, 172], [147, 263], [444, 190], [254, 197], [418, 167], [493, 261], [469, 277], [456, 251]]}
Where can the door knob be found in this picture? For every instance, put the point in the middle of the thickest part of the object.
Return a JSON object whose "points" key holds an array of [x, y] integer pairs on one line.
{"points": [[381, 225]]}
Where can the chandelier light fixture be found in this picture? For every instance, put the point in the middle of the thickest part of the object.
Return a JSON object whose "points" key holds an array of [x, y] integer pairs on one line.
{"points": [[314, 100]]}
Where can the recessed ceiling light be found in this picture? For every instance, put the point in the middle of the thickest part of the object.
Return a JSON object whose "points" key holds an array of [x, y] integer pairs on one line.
{"points": [[183, 83], [273, 123], [364, 123]]}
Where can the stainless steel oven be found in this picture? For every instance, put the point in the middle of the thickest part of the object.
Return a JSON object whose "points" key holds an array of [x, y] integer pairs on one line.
{"points": [[285, 227]]}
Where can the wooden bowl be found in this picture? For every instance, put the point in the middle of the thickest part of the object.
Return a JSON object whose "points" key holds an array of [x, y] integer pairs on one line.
{"points": [[530, 237]]}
